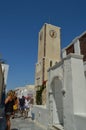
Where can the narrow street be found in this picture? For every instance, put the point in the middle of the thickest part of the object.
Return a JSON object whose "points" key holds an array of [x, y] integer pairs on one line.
{"points": [[24, 124], [19, 123]]}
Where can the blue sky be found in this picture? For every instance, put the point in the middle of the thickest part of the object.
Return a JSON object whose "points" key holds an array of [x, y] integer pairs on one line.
{"points": [[20, 22]]}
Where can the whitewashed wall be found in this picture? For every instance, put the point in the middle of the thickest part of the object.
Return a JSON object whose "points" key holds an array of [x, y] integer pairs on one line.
{"points": [[41, 115]]}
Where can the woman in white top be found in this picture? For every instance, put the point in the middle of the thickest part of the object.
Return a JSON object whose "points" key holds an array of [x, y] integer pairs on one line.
{"points": [[27, 107]]}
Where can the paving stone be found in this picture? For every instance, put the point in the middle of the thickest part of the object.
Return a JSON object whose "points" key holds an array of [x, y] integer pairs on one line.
{"points": [[26, 129], [24, 124]]}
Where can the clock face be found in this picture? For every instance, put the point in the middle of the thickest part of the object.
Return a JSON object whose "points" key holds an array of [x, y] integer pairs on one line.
{"points": [[53, 33]]}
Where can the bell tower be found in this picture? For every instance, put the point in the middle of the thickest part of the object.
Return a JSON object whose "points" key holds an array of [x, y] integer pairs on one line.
{"points": [[48, 51]]}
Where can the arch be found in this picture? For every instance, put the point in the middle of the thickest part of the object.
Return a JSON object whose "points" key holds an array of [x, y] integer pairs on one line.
{"points": [[56, 98]]}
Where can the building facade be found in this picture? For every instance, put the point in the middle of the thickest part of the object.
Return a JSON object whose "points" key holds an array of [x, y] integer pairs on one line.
{"points": [[67, 87], [77, 46], [27, 91], [66, 90], [48, 54]]}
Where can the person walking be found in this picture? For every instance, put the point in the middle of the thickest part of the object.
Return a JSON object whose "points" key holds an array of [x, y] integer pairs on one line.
{"points": [[22, 105], [9, 102], [15, 106], [27, 107]]}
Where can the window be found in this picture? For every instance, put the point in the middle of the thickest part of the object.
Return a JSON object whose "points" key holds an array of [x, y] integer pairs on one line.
{"points": [[50, 63]]}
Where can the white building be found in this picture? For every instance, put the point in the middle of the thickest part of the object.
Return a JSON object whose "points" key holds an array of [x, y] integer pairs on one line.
{"points": [[66, 90], [67, 87], [26, 91]]}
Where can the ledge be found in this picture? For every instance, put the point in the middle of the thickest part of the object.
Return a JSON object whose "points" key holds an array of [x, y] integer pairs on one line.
{"points": [[73, 55]]}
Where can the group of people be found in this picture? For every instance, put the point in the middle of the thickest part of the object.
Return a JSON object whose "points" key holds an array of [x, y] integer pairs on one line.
{"points": [[24, 106], [14, 104]]}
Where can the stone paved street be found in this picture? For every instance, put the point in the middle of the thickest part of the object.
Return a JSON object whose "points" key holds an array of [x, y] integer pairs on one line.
{"points": [[2, 123], [19, 123], [24, 124]]}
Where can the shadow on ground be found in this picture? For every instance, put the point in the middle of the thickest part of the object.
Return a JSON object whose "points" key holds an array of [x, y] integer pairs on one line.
{"points": [[14, 129]]}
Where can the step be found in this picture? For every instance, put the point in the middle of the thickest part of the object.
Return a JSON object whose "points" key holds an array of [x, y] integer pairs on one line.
{"points": [[58, 127]]}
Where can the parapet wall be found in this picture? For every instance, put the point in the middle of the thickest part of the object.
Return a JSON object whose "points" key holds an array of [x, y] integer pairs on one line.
{"points": [[41, 115]]}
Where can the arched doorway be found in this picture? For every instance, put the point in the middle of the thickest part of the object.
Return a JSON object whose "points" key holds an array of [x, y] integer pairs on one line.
{"points": [[57, 101]]}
